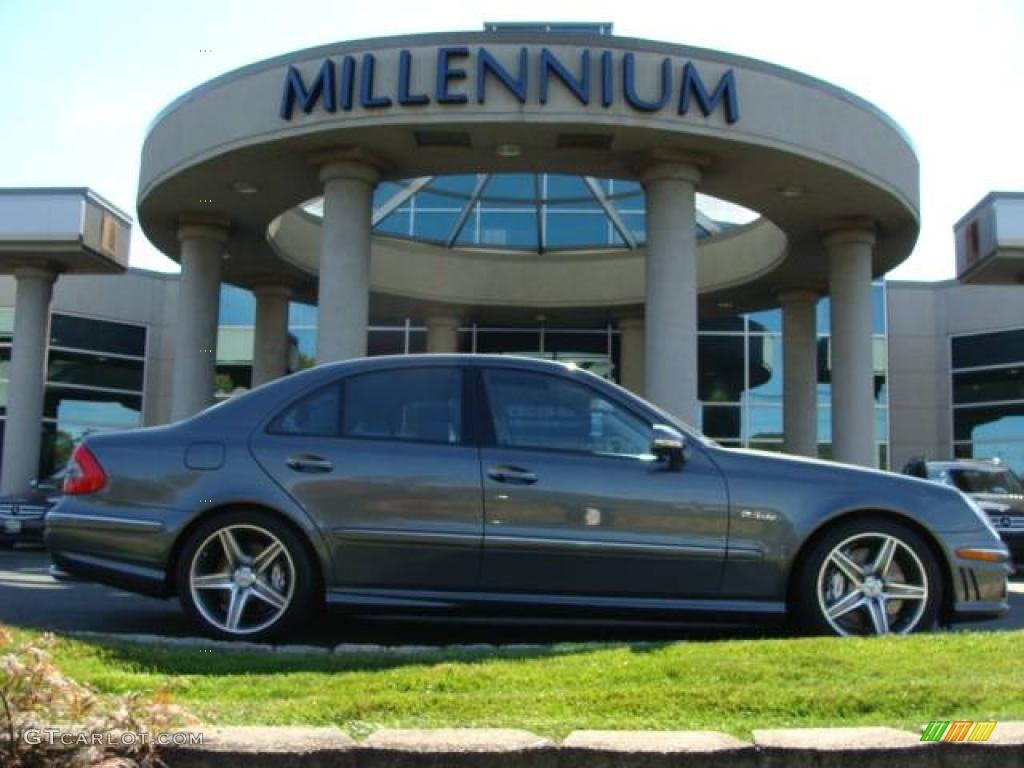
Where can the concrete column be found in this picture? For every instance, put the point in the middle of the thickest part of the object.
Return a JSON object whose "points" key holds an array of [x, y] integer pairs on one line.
{"points": [[27, 382], [270, 347], [631, 353], [853, 397], [442, 334], [195, 343], [670, 369], [344, 293], [799, 372]]}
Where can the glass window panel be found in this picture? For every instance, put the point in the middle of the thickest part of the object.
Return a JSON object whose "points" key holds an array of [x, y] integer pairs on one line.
{"points": [[385, 343], [823, 318], [763, 423], [465, 342], [84, 406], [305, 339], [397, 224], [767, 445], [461, 185], [59, 440], [237, 306], [721, 422], [505, 342], [882, 425], [636, 224], [532, 410], [720, 368], [432, 225], [825, 451], [575, 230], [982, 386], [878, 308], [93, 370], [996, 422], [560, 342], [442, 202], [232, 379], [6, 324], [516, 230], [764, 372], [769, 320], [317, 414], [417, 342], [982, 349], [420, 405], [98, 335], [561, 187], [621, 189], [510, 186], [825, 423]]}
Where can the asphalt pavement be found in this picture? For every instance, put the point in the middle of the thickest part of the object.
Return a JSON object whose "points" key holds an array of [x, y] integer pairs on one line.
{"points": [[30, 598]]}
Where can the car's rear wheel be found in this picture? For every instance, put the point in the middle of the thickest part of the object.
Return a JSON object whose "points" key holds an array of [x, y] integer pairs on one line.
{"points": [[245, 575], [868, 577]]}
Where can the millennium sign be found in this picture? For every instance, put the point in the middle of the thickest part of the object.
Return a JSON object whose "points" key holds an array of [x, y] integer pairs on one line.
{"points": [[349, 82]]}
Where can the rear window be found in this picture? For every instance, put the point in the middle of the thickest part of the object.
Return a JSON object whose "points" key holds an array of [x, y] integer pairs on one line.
{"points": [[419, 404]]}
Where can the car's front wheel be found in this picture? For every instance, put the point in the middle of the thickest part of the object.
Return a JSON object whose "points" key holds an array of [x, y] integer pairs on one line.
{"points": [[868, 577], [245, 575]]}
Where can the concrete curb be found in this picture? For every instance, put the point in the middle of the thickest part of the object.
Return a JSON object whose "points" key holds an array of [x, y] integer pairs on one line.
{"points": [[255, 747], [349, 649]]}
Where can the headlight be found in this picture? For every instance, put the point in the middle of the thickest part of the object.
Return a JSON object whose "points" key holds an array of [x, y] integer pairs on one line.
{"points": [[976, 508]]}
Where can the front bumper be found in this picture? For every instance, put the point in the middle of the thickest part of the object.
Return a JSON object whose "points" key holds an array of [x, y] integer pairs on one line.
{"points": [[980, 589]]}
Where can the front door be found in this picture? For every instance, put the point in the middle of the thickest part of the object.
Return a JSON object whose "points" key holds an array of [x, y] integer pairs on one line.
{"points": [[382, 463], [574, 503]]}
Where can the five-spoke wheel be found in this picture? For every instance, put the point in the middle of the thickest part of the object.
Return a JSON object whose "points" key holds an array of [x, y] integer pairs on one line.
{"points": [[244, 575], [868, 578]]}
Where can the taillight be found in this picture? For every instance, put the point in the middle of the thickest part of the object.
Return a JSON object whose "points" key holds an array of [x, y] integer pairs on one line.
{"points": [[84, 473]]}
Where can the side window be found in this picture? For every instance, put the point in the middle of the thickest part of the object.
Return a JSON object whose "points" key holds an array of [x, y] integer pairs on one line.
{"points": [[315, 415], [533, 410], [420, 404]]}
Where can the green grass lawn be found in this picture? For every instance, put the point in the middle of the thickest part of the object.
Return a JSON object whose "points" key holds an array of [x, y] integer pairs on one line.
{"points": [[730, 685]]}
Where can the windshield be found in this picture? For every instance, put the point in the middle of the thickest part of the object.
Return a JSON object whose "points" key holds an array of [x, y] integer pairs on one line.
{"points": [[1002, 481]]}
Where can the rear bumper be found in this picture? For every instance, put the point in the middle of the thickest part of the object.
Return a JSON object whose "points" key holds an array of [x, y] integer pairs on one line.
{"points": [[15, 528]]}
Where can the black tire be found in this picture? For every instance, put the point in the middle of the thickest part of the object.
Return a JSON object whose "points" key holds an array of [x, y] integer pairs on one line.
{"points": [[913, 564], [301, 585]]}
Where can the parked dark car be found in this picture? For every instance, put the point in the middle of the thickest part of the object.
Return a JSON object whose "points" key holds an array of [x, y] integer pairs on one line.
{"points": [[21, 515], [487, 484], [995, 486]]}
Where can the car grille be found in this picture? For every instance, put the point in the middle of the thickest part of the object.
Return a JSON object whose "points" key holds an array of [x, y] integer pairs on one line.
{"points": [[1007, 522], [27, 511]]}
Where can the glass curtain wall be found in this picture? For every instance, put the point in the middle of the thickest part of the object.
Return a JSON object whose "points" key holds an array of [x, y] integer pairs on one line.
{"points": [[95, 378], [988, 396]]}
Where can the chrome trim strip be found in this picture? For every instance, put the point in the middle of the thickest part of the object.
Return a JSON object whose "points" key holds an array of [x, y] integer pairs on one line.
{"points": [[529, 542], [113, 522], [395, 534]]}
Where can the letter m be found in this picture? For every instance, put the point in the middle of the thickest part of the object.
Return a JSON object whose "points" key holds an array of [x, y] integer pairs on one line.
{"points": [[934, 730], [725, 91], [295, 88]]}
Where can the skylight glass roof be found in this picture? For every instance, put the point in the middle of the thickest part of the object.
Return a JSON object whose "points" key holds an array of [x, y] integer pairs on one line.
{"points": [[523, 211]]}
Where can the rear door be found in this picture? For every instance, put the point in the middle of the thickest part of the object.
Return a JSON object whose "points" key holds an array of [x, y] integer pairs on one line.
{"points": [[383, 462]]}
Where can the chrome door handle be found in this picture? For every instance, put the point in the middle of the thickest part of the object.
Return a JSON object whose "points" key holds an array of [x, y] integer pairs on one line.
{"points": [[503, 473], [305, 462]]}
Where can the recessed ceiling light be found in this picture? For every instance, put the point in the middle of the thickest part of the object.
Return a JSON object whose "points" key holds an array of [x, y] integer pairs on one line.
{"points": [[791, 191], [508, 150], [244, 188]]}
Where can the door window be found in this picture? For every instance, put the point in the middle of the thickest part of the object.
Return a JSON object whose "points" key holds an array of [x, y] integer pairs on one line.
{"points": [[534, 410], [315, 415], [417, 404]]}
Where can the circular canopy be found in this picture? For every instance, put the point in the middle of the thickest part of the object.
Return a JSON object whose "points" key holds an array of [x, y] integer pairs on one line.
{"points": [[514, 108]]}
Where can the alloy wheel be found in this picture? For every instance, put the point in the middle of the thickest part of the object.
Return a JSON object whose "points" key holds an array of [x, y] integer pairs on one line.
{"points": [[242, 579], [872, 583]]}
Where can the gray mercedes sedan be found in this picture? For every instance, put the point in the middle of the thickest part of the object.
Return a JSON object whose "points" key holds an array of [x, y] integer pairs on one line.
{"points": [[477, 484]]}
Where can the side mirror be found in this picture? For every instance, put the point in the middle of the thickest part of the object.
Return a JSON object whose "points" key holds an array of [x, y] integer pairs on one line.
{"points": [[669, 446]]}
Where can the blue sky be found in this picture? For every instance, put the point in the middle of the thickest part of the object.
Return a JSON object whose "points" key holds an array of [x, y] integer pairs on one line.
{"points": [[81, 80]]}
